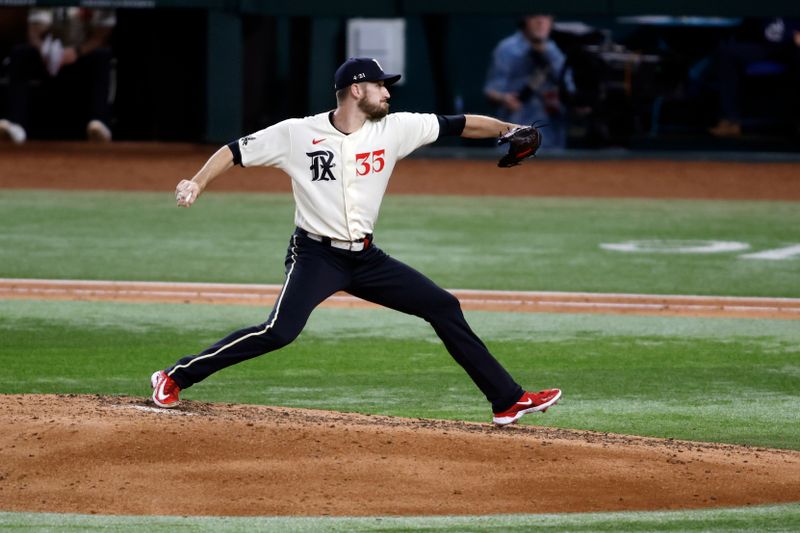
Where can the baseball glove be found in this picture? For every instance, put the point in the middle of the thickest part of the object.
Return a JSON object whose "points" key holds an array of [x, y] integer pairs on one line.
{"points": [[523, 143]]}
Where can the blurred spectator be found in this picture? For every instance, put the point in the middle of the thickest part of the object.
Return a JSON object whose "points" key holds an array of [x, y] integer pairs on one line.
{"points": [[66, 48], [773, 47], [527, 77]]}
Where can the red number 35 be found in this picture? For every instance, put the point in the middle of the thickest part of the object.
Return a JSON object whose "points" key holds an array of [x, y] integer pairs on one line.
{"points": [[370, 162]]}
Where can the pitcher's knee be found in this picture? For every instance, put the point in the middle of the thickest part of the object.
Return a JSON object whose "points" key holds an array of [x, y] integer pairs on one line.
{"points": [[283, 337], [445, 305], [277, 337]]}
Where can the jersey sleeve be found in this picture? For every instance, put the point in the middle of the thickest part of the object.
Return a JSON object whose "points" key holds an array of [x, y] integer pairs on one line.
{"points": [[414, 130], [270, 147]]}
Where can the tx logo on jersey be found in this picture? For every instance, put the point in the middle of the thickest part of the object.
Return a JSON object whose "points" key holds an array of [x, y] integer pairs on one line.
{"points": [[246, 140], [321, 164]]}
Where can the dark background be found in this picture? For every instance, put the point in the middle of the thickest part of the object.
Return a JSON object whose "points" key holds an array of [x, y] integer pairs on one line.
{"points": [[211, 71]]}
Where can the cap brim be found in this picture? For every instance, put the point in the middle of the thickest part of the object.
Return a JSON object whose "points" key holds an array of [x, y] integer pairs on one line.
{"points": [[389, 79]]}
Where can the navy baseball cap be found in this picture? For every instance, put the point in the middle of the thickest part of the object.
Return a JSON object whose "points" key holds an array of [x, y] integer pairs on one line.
{"points": [[358, 69]]}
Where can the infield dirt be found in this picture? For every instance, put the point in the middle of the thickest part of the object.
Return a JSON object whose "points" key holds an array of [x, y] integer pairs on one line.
{"points": [[159, 167], [120, 455]]}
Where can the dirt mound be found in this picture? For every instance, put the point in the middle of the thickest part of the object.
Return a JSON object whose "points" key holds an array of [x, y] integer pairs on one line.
{"points": [[120, 455]]}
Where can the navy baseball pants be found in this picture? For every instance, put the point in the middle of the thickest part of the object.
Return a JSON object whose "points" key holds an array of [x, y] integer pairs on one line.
{"points": [[315, 271]]}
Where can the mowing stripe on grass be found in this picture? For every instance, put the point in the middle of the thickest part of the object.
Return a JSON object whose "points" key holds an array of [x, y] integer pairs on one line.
{"points": [[479, 243], [765, 518]]}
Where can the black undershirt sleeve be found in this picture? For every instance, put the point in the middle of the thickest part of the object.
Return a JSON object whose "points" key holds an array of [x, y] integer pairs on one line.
{"points": [[451, 125], [237, 153]]}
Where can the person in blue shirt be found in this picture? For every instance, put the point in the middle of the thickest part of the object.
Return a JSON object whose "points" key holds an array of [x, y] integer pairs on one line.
{"points": [[527, 78]]}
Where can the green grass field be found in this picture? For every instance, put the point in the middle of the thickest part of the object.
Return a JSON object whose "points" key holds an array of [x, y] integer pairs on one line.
{"points": [[484, 243], [723, 380]]}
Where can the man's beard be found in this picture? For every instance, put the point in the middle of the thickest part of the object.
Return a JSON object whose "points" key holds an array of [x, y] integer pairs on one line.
{"points": [[373, 111]]}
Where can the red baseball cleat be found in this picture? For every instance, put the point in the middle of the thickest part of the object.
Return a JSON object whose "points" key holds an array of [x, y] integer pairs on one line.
{"points": [[165, 390], [530, 402]]}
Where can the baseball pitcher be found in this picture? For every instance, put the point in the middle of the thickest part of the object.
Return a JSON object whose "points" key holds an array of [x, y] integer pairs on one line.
{"points": [[340, 163]]}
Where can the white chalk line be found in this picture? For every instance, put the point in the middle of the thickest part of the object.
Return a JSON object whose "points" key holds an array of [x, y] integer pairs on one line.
{"points": [[156, 410]]}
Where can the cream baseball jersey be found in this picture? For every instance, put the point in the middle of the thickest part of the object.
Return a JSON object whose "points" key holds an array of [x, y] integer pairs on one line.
{"points": [[338, 180]]}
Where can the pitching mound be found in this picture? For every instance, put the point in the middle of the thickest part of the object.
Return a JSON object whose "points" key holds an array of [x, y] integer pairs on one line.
{"points": [[115, 455]]}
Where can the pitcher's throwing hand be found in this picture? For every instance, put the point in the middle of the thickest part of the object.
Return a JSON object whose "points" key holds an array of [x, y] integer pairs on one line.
{"points": [[186, 193]]}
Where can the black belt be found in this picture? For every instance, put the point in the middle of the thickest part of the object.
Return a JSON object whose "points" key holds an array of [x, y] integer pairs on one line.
{"points": [[353, 246]]}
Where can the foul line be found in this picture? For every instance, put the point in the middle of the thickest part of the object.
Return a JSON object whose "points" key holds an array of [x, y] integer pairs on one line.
{"points": [[517, 301]]}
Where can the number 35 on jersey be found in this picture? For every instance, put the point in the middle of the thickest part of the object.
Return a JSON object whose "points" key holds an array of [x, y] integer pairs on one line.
{"points": [[370, 162]]}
